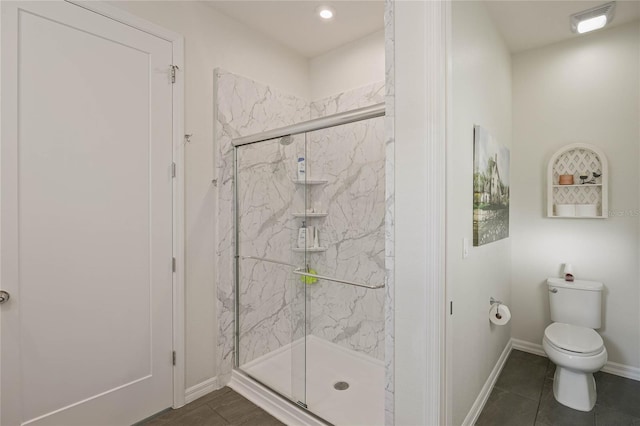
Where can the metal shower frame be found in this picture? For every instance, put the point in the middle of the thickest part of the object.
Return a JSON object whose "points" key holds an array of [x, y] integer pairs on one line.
{"points": [[360, 114]]}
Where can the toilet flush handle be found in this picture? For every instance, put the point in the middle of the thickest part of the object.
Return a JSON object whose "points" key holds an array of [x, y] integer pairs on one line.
{"points": [[553, 290]]}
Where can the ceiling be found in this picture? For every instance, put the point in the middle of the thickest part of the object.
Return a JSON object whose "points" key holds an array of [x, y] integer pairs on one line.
{"points": [[296, 24], [524, 24], [536, 23]]}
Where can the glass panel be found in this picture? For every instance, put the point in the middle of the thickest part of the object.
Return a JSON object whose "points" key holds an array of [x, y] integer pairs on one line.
{"points": [[317, 341], [345, 330], [271, 299]]}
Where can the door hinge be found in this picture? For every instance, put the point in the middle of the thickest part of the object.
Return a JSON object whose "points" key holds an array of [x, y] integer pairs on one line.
{"points": [[173, 357], [173, 170], [172, 70], [173, 264]]}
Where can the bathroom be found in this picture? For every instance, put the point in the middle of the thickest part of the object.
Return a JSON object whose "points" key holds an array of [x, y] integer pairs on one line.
{"points": [[536, 89]]}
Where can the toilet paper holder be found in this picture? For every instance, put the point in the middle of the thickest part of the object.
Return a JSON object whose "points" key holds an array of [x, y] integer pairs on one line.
{"points": [[492, 302]]}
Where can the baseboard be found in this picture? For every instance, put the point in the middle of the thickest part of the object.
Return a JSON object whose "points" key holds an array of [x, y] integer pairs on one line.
{"points": [[610, 367], [271, 402], [622, 370], [201, 389], [482, 398], [524, 346]]}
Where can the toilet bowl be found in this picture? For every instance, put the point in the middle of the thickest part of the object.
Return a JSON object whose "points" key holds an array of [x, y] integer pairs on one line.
{"points": [[577, 352]]}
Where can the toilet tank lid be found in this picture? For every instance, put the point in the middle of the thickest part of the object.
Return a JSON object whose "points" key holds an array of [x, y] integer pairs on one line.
{"points": [[577, 284]]}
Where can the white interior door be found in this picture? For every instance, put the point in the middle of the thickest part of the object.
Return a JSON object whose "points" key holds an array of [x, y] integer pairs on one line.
{"points": [[86, 219]]}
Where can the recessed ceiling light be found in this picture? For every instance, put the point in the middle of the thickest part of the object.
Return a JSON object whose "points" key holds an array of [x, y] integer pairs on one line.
{"points": [[325, 12], [592, 19]]}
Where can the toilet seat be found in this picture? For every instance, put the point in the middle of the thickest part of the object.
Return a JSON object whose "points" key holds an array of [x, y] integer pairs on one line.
{"points": [[578, 341]]}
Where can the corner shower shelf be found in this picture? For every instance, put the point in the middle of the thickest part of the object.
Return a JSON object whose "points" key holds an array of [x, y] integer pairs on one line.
{"points": [[309, 249], [578, 159], [310, 181], [308, 215]]}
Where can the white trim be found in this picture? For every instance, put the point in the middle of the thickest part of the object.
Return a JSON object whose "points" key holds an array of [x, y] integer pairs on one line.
{"points": [[420, 130], [129, 19], [271, 402], [177, 42], [483, 396], [179, 308], [201, 389], [524, 346], [449, 287], [621, 370]]}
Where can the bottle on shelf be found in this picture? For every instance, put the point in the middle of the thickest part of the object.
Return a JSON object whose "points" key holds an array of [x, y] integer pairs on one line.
{"points": [[302, 235], [302, 172]]}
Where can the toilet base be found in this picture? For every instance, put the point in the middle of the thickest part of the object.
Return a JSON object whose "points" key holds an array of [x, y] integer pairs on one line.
{"points": [[574, 389]]}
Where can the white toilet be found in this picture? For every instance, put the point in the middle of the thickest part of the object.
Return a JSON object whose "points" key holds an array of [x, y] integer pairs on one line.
{"points": [[571, 342]]}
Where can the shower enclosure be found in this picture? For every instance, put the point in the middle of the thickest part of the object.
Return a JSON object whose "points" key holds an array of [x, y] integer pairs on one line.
{"points": [[309, 312]]}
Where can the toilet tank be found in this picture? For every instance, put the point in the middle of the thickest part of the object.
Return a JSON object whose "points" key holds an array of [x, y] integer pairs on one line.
{"points": [[577, 303]]}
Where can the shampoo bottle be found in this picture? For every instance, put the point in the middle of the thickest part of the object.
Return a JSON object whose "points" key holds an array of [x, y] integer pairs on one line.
{"points": [[302, 236], [301, 168]]}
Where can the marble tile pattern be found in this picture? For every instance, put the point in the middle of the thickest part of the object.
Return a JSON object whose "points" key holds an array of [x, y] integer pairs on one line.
{"points": [[272, 309], [389, 325], [245, 107], [271, 298], [352, 158]]}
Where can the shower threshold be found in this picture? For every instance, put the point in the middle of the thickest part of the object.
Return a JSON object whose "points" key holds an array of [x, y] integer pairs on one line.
{"points": [[362, 403]]}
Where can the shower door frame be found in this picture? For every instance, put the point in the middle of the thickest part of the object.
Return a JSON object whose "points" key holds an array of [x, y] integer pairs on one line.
{"points": [[360, 114]]}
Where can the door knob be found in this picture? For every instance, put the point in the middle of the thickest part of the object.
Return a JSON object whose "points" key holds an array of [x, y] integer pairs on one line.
{"points": [[4, 296]]}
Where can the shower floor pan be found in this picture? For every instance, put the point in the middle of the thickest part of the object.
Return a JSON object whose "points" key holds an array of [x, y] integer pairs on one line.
{"points": [[327, 364]]}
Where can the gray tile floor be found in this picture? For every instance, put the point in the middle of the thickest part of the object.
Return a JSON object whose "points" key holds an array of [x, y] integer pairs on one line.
{"points": [[221, 407], [523, 395]]}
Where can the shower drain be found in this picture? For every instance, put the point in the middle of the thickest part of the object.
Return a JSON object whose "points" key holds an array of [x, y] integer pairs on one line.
{"points": [[341, 385]]}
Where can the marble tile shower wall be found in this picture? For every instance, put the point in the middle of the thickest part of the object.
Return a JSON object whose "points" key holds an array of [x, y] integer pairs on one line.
{"points": [[244, 107], [272, 300], [352, 159]]}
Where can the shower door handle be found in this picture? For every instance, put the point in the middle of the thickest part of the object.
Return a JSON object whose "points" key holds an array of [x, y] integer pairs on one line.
{"points": [[4, 296]]}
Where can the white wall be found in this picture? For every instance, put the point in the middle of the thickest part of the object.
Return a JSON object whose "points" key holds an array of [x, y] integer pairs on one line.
{"points": [[212, 40], [481, 94], [583, 90], [355, 64]]}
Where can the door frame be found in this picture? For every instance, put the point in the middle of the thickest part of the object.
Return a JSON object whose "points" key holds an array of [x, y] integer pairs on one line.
{"points": [[177, 43]]}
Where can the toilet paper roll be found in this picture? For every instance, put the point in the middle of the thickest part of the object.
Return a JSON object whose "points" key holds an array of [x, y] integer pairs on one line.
{"points": [[568, 268], [499, 314]]}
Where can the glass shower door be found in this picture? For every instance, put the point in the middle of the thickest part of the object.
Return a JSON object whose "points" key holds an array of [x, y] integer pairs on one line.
{"points": [[310, 269], [270, 304], [345, 273]]}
